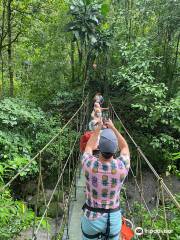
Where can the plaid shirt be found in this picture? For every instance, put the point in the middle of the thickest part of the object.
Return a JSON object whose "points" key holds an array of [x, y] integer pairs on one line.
{"points": [[104, 181]]}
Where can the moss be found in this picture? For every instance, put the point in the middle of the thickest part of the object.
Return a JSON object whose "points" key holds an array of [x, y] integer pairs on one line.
{"points": [[53, 211], [58, 197]]}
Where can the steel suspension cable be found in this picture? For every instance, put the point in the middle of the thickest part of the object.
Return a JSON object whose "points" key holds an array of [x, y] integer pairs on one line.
{"points": [[73, 183], [164, 208], [55, 189], [58, 174], [45, 147], [147, 161], [139, 190], [43, 191], [59, 179], [143, 199]]}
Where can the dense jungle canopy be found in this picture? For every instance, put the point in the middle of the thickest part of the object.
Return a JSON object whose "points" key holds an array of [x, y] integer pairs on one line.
{"points": [[54, 52]]}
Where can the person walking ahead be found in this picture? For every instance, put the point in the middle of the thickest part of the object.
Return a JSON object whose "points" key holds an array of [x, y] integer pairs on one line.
{"points": [[104, 178]]}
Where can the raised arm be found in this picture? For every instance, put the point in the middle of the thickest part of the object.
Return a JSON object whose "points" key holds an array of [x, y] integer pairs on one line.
{"points": [[92, 143], [123, 146]]}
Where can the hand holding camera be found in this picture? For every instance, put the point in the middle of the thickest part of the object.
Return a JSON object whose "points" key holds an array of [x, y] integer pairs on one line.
{"points": [[108, 123]]}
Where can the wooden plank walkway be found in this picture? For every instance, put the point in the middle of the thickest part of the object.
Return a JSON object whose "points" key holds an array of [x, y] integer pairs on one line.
{"points": [[76, 211]]}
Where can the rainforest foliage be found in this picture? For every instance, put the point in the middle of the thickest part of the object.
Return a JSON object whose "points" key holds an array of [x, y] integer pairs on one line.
{"points": [[52, 53]]}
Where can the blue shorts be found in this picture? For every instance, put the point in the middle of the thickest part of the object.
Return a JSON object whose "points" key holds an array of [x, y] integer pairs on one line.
{"points": [[99, 225]]}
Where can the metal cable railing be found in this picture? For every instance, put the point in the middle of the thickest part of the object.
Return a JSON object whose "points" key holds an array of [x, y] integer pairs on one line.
{"points": [[46, 146], [66, 175], [147, 161]]}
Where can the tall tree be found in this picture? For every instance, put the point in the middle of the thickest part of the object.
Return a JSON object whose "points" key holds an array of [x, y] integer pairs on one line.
{"points": [[9, 47]]}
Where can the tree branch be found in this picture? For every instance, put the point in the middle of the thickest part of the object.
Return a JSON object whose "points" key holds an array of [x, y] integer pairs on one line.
{"points": [[14, 40]]}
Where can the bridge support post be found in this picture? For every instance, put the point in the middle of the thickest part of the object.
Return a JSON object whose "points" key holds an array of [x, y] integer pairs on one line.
{"points": [[67, 229]]}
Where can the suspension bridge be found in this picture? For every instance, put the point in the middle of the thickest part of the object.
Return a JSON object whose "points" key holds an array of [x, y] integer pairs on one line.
{"points": [[69, 183]]}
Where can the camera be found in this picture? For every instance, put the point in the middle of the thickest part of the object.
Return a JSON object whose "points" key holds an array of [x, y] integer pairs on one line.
{"points": [[105, 116]]}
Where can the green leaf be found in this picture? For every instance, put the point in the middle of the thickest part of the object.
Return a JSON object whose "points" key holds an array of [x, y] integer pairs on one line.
{"points": [[1, 169], [105, 8]]}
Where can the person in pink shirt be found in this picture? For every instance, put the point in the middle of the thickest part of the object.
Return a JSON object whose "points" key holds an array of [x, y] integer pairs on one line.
{"points": [[104, 179]]}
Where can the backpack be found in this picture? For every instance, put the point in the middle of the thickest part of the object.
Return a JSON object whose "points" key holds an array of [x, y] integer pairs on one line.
{"points": [[126, 231]]}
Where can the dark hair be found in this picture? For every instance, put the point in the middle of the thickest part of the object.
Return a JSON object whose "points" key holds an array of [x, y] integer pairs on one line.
{"points": [[107, 155]]}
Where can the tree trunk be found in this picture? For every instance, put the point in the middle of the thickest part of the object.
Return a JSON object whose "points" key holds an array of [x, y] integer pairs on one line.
{"points": [[130, 3], [172, 82], [2, 25], [106, 82], [1, 45], [2, 75], [9, 35], [85, 73], [72, 62], [126, 16], [176, 54]]}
